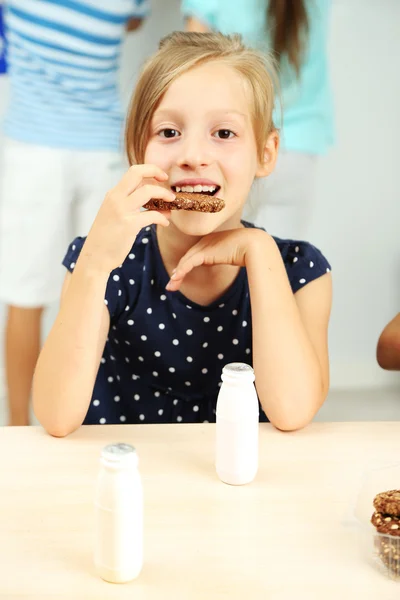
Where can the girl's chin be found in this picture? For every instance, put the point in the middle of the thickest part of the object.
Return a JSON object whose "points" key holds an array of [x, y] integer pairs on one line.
{"points": [[195, 223]]}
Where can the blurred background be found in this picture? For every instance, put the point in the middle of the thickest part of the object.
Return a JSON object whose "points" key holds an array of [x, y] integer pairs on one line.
{"points": [[357, 215]]}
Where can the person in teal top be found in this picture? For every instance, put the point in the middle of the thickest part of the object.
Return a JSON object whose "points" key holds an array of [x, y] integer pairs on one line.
{"points": [[295, 32]]}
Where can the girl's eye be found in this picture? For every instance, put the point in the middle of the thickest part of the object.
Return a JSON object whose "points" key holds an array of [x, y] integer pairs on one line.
{"points": [[225, 134], [168, 133]]}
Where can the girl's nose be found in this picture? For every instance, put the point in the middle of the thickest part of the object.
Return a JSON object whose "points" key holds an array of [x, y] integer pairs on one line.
{"points": [[194, 154]]}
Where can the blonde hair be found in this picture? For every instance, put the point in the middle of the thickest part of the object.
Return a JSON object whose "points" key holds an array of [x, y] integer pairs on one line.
{"points": [[178, 53]]}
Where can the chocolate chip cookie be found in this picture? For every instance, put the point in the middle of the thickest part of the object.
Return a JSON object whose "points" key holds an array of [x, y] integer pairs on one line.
{"points": [[386, 524], [188, 201], [388, 503]]}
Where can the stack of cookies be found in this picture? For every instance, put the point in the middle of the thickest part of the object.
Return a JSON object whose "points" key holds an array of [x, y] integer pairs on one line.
{"points": [[386, 520]]}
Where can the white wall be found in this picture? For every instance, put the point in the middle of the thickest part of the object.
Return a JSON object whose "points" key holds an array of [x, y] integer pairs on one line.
{"points": [[357, 219], [358, 216]]}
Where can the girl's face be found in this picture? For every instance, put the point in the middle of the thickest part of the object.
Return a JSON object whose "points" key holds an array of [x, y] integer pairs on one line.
{"points": [[202, 134]]}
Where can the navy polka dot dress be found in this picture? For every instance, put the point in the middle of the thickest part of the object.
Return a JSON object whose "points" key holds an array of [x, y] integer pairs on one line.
{"points": [[164, 355]]}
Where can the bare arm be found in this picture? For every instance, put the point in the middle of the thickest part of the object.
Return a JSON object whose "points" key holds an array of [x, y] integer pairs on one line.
{"points": [[388, 348], [290, 345], [133, 24], [68, 364], [193, 24]]}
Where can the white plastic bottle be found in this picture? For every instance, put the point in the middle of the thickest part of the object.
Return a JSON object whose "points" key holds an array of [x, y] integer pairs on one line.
{"points": [[118, 552], [237, 425]]}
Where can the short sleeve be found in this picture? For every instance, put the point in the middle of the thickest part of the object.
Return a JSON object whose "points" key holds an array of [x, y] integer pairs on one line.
{"points": [[117, 294], [303, 261], [140, 9], [203, 10]]}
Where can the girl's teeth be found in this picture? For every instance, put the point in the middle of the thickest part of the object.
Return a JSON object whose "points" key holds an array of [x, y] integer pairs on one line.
{"points": [[198, 189]]}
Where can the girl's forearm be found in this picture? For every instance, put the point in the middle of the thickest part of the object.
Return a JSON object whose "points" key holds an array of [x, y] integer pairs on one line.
{"points": [[288, 373], [69, 361]]}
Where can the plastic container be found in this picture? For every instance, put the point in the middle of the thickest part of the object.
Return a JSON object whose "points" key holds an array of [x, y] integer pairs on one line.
{"points": [[118, 552], [381, 551], [237, 417]]}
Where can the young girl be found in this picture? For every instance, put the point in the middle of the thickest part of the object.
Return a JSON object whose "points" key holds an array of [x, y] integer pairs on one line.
{"points": [[157, 302]]}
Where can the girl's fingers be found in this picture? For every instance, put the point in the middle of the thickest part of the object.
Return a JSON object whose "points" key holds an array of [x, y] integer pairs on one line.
{"points": [[184, 267], [148, 217], [135, 175], [145, 193]]}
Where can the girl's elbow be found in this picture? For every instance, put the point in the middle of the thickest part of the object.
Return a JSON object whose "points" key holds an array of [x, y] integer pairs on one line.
{"points": [[288, 421], [388, 352], [291, 420], [290, 425], [52, 426], [58, 430]]}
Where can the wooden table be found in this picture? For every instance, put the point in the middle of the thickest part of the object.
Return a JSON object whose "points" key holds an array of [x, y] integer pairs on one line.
{"points": [[282, 537]]}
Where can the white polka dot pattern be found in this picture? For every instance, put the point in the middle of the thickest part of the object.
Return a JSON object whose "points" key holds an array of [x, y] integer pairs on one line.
{"points": [[174, 349]]}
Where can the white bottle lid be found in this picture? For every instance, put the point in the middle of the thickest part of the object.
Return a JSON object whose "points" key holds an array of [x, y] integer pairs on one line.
{"points": [[120, 456], [238, 371]]}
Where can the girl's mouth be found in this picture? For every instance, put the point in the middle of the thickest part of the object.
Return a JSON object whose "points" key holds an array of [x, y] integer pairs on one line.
{"points": [[209, 190]]}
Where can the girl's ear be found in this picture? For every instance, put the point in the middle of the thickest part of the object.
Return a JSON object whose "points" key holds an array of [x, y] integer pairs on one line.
{"points": [[269, 156]]}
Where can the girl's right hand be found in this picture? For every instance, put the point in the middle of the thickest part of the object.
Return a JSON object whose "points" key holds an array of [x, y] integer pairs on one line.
{"points": [[120, 219]]}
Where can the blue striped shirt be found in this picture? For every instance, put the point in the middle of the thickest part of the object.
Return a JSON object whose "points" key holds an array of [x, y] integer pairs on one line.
{"points": [[63, 60]]}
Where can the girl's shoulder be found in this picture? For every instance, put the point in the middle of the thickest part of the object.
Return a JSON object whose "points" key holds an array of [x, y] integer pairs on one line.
{"points": [[133, 262], [124, 282], [303, 261]]}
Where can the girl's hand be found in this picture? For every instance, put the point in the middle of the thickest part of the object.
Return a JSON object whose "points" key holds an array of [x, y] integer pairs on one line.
{"points": [[221, 248], [119, 219]]}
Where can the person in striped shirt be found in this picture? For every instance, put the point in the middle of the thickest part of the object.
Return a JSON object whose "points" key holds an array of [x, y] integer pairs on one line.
{"points": [[63, 134]]}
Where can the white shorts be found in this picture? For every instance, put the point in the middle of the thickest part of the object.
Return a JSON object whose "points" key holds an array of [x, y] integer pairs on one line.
{"points": [[283, 202], [47, 197]]}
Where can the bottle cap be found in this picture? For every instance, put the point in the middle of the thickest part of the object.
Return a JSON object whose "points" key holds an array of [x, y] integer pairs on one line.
{"points": [[119, 454], [238, 370]]}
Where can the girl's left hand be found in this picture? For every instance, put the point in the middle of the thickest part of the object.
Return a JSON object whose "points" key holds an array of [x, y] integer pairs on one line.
{"points": [[220, 248]]}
